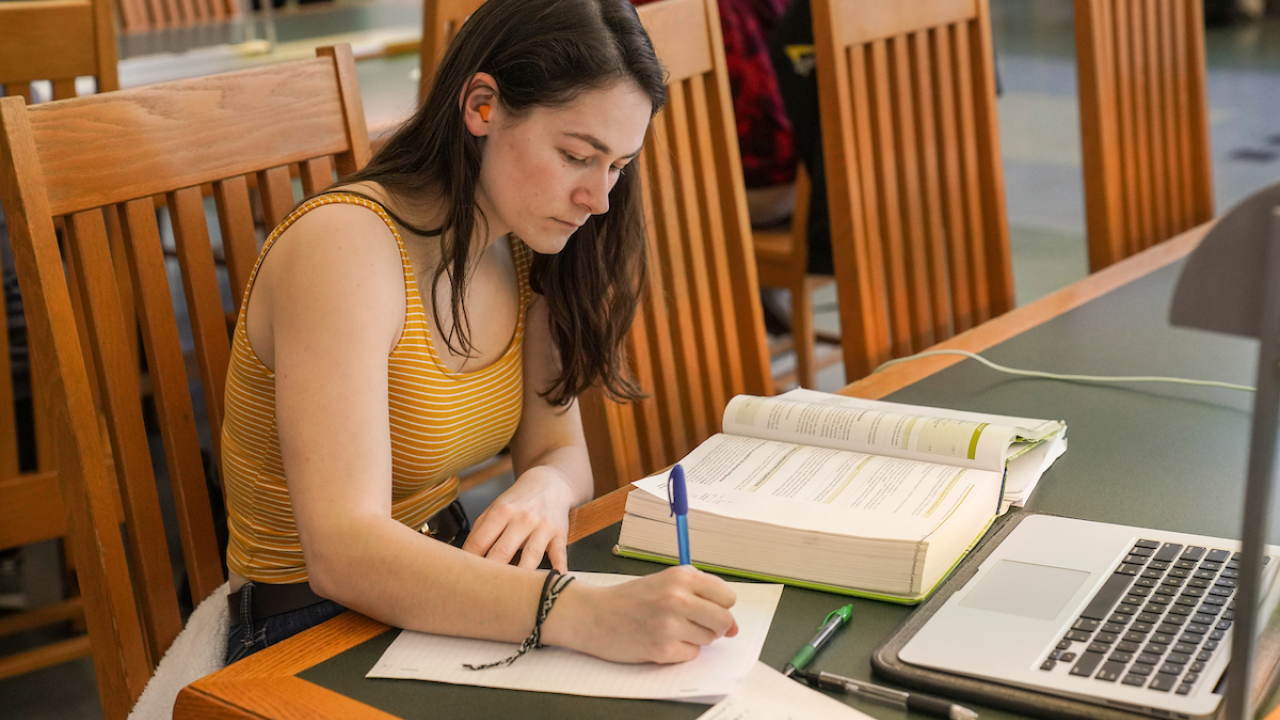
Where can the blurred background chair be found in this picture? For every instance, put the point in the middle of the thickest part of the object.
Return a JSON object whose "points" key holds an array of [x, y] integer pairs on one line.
{"points": [[56, 41], [782, 260], [57, 165], [698, 339], [914, 176], [174, 26], [143, 15], [45, 45], [1144, 128], [441, 20]]}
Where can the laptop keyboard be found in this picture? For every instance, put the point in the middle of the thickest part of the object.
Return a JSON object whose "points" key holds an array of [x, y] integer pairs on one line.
{"points": [[1157, 621]]}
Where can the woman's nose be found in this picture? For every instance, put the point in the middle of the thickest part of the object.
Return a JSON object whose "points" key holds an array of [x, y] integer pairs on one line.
{"points": [[593, 193]]}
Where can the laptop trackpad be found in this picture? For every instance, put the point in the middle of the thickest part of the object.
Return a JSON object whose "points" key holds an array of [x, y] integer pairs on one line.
{"points": [[1025, 589]]}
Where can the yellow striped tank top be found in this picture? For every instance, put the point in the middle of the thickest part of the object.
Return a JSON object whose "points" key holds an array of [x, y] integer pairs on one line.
{"points": [[441, 423]]}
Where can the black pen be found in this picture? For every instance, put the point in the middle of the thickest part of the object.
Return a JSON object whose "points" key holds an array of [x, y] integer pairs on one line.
{"points": [[911, 701]]}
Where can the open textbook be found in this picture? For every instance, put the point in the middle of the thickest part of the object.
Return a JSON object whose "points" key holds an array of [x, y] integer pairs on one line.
{"points": [[860, 497]]}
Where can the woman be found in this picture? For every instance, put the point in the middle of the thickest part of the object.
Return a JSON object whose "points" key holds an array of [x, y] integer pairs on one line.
{"points": [[449, 300]]}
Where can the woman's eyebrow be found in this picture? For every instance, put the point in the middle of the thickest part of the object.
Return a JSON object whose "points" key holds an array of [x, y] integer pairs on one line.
{"points": [[598, 144]]}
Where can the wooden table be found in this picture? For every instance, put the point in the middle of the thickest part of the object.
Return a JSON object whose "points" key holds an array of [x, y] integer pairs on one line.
{"points": [[266, 684]]}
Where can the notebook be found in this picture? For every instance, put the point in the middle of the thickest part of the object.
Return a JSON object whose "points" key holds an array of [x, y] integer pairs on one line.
{"points": [[1128, 618]]}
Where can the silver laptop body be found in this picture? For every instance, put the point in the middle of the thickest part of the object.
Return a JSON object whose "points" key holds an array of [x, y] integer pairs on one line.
{"points": [[1045, 609]]}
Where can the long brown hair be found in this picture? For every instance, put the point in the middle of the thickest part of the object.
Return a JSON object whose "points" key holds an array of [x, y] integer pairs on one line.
{"points": [[542, 53]]}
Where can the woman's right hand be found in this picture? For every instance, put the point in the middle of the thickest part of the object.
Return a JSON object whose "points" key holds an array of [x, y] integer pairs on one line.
{"points": [[665, 617]]}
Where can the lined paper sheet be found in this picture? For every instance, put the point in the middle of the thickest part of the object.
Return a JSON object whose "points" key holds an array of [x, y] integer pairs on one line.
{"points": [[715, 673], [767, 694]]}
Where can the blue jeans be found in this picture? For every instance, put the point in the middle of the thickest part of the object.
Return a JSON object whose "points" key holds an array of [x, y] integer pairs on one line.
{"points": [[252, 634]]}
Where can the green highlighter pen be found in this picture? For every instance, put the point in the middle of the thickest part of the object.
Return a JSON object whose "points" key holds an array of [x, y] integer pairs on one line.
{"points": [[834, 621]]}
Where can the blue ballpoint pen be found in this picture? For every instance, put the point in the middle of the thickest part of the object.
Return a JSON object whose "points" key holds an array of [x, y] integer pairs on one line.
{"points": [[677, 495]]}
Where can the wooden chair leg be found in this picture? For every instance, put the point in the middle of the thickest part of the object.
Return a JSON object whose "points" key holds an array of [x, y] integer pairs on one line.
{"points": [[802, 334]]}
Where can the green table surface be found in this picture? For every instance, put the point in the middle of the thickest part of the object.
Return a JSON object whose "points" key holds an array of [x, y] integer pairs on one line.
{"points": [[1162, 456]]}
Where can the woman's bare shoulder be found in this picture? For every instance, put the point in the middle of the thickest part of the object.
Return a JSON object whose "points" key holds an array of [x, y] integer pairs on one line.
{"points": [[337, 237], [337, 266]]}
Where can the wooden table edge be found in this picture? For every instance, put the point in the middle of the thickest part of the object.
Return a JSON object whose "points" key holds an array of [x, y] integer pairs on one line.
{"points": [[255, 675]]}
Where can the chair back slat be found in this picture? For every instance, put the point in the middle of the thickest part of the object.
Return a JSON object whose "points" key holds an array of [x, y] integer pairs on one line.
{"points": [[685, 269], [42, 414], [1143, 122], [317, 174], [969, 159], [992, 257], [1146, 181], [275, 188], [204, 303], [667, 323], [652, 430], [172, 15], [74, 275], [8, 408], [64, 88], [1193, 139], [916, 189], [190, 12], [133, 15], [721, 313], [104, 324], [926, 118], [124, 283], [185, 138], [953, 188], [239, 238], [698, 337], [889, 205], [169, 383], [1160, 113], [1175, 109], [20, 89], [869, 291], [704, 248], [640, 422], [907, 158]]}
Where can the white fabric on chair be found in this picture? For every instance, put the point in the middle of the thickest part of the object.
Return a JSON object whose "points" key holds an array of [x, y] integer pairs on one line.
{"points": [[197, 651]]}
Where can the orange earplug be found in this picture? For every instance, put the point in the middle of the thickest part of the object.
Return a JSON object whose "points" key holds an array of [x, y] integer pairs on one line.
{"points": [[484, 112]]}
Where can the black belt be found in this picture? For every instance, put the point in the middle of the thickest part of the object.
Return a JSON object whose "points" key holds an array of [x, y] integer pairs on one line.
{"points": [[449, 525]]}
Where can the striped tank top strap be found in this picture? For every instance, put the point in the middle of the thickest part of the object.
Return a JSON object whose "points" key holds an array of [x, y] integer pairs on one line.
{"points": [[308, 206]]}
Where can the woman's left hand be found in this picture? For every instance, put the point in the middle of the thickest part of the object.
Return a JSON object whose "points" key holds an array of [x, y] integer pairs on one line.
{"points": [[532, 517]]}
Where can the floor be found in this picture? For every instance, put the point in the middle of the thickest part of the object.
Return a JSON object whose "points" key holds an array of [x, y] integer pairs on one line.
{"points": [[1039, 134]]}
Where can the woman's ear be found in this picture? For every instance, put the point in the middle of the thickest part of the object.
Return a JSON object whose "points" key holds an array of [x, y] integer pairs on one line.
{"points": [[479, 104]]}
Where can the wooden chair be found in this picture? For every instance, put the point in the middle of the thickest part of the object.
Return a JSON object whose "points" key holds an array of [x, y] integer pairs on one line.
{"points": [[782, 260], [57, 41], [441, 20], [151, 27], [54, 41], [916, 189], [1144, 127], [699, 337], [59, 163], [149, 15]]}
